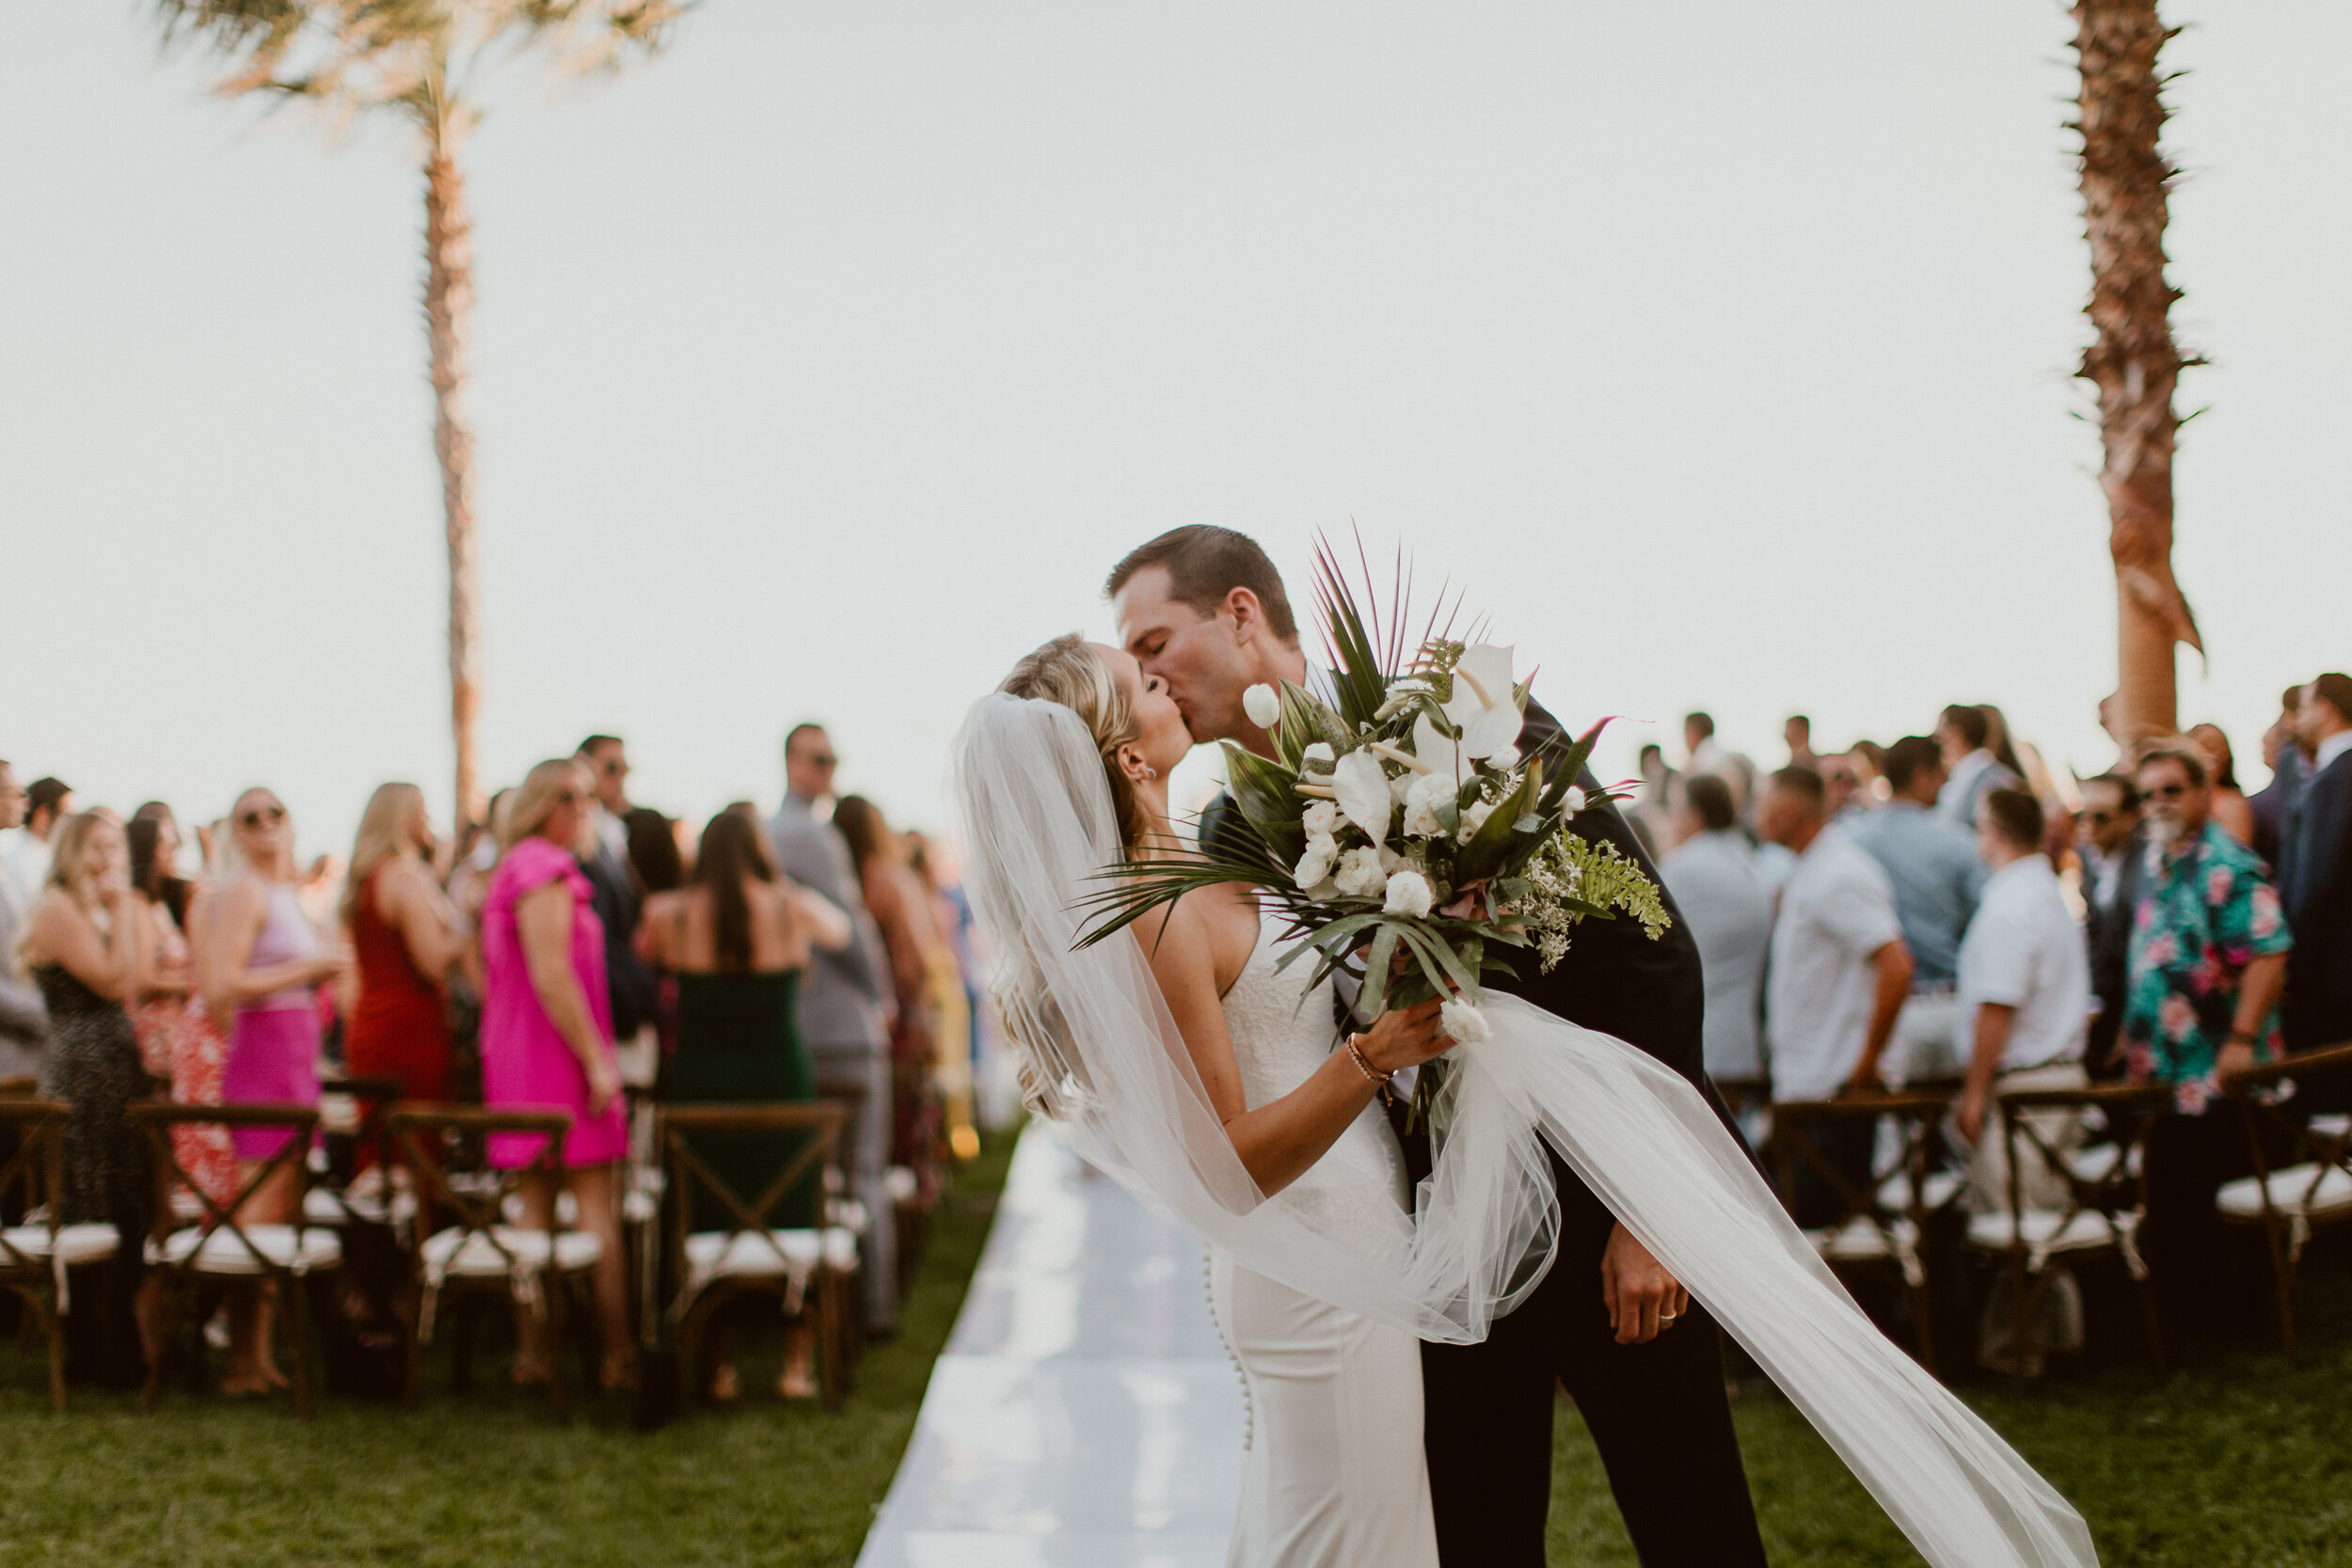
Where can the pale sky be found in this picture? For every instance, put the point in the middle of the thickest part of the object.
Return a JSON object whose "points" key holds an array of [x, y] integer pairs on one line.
{"points": [[1721, 353]]}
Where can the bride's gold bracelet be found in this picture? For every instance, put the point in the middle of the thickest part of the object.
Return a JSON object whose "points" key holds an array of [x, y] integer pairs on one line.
{"points": [[1377, 1080]]}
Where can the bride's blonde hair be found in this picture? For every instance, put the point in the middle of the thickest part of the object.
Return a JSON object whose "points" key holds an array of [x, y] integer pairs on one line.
{"points": [[1068, 671]]}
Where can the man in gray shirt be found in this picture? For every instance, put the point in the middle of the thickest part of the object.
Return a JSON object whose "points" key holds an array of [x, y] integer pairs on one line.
{"points": [[843, 1016], [1937, 878]]}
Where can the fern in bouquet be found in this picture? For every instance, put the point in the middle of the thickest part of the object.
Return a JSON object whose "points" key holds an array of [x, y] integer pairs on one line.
{"points": [[1398, 821]]}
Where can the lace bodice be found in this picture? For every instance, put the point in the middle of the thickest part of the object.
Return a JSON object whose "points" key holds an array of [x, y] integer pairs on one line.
{"points": [[1279, 1041]]}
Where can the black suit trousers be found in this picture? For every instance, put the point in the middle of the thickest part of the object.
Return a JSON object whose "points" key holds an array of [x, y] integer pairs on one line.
{"points": [[1657, 1412]]}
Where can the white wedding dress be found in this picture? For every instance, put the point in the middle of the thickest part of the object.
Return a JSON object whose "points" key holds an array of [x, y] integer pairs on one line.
{"points": [[1335, 1477]]}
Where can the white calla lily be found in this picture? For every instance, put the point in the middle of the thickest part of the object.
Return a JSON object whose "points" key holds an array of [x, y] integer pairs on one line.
{"points": [[1363, 791], [1263, 705], [1481, 706], [1438, 754]]}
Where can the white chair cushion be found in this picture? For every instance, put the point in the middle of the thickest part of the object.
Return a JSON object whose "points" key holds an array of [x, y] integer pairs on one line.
{"points": [[1939, 1189], [1858, 1240], [2335, 1124], [849, 1213], [902, 1185], [2041, 1230], [640, 1207], [742, 1255], [2097, 1163], [2290, 1194], [323, 1207], [222, 1253], [469, 1255], [76, 1244]]}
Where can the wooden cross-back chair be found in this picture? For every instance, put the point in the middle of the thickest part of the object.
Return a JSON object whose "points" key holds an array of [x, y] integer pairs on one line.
{"points": [[1863, 1233], [2106, 1200], [811, 1269], [2311, 1187], [35, 1253], [221, 1246], [480, 1252], [352, 1110]]}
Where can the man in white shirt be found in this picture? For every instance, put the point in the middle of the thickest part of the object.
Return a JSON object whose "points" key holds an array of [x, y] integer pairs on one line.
{"points": [[1840, 972], [1970, 766], [1714, 881], [25, 849], [2025, 994]]}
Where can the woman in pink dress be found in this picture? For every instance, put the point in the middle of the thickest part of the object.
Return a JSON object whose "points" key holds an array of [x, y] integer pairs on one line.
{"points": [[546, 1036], [262, 964]]}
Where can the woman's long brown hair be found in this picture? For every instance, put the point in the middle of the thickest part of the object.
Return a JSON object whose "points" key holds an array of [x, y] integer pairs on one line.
{"points": [[733, 849]]}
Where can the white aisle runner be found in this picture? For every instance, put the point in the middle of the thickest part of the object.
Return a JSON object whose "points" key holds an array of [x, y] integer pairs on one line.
{"points": [[1085, 1414]]}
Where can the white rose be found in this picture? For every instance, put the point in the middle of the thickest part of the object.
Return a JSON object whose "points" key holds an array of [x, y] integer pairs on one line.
{"points": [[1315, 863], [1359, 874], [1409, 894], [1321, 820], [1474, 817], [1319, 752], [1573, 799], [1263, 705], [1420, 805], [1463, 1023]]}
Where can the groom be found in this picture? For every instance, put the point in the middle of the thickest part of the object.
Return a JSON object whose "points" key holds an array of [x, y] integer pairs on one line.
{"points": [[1203, 608]]}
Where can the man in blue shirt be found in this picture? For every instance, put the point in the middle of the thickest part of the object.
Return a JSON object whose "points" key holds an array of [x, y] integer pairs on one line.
{"points": [[1937, 879]]}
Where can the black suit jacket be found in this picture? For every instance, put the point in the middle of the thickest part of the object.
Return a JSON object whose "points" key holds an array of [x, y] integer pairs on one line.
{"points": [[2273, 803], [2315, 887], [2108, 936]]}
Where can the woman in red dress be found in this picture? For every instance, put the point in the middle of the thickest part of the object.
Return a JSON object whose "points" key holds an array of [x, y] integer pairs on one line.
{"points": [[405, 936]]}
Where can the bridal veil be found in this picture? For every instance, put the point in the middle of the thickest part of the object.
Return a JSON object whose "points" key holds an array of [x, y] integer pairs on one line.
{"points": [[1107, 1060]]}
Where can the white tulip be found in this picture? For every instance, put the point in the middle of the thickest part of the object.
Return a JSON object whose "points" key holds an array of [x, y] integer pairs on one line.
{"points": [[1359, 874], [1462, 1022], [1409, 894], [1263, 705], [1362, 790], [1481, 706]]}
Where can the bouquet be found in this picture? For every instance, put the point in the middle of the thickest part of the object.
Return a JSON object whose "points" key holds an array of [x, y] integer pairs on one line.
{"points": [[1397, 821]]}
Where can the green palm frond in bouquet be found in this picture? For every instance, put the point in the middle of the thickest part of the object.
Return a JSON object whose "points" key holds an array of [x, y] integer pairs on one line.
{"points": [[1397, 821]]}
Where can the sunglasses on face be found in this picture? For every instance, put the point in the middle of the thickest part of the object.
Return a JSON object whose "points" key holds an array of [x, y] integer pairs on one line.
{"points": [[261, 815], [2166, 792]]}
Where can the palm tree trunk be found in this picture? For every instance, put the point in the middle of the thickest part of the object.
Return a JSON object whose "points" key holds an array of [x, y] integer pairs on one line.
{"points": [[2133, 360], [448, 330]]}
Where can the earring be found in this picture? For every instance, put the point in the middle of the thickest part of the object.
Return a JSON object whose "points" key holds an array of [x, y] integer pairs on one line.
{"points": [[1151, 773]]}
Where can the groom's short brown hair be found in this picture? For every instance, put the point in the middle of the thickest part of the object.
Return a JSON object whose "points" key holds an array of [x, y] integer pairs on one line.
{"points": [[1205, 563]]}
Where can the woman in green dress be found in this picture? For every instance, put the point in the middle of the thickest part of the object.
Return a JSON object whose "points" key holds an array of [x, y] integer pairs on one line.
{"points": [[736, 937]]}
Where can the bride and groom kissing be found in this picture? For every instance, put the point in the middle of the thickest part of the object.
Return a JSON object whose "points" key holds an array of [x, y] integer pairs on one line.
{"points": [[1402, 1315]]}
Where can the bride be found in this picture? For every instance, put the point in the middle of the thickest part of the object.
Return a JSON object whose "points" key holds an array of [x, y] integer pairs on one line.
{"points": [[1335, 1473], [1182, 1060]]}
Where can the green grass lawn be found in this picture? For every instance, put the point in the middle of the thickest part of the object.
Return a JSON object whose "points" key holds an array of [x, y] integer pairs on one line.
{"points": [[2239, 1459], [483, 1478]]}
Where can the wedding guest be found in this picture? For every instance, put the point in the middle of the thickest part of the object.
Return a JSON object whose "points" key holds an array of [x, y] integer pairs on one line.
{"points": [[1796, 734], [200, 1046], [1970, 766], [2230, 807], [738, 941], [25, 849], [1937, 878], [2113, 850], [911, 939], [547, 1038], [1841, 784], [1715, 884], [952, 996], [2282, 753], [2315, 873], [632, 996], [844, 1013], [654, 854], [2025, 992], [1710, 756], [86, 947], [264, 965], [2006, 749], [2208, 960], [24, 1016], [404, 938], [162, 1006], [1652, 811], [1839, 975]]}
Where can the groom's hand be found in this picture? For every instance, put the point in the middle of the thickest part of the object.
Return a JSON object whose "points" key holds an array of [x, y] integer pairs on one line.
{"points": [[1641, 1295]]}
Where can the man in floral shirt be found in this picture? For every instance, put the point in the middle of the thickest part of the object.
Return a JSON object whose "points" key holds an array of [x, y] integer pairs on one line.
{"points": [[2208, 961]]}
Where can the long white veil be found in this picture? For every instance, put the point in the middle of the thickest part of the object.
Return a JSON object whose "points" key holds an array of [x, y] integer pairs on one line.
{"points": [[1107, 1061]]}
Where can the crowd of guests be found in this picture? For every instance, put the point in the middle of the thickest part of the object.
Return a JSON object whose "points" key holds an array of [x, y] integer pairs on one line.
{"points": [[1943, 910], [570, 949]]}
